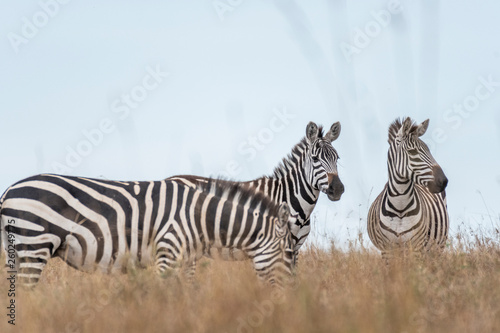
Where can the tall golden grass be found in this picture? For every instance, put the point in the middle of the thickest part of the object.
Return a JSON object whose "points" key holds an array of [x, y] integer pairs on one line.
{"points": [[334, 291]]}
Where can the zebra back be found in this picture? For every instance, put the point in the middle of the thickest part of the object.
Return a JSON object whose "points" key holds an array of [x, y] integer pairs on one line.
{"points": [[103, 224]]}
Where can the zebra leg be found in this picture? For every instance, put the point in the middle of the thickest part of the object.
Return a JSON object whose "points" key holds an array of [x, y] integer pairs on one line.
{"points": [[299, 237], [386, 257], [168, 259], [264, 276], [190, 270], [295, 259], [266, 273], [31, 265]]}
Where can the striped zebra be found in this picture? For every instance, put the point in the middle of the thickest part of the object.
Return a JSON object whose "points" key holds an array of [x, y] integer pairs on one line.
{"points": [[311, 168], [411, 211], [106, 225]]}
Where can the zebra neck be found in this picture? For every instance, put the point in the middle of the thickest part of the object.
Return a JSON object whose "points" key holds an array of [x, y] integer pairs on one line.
{"points": [[289, 183], [401, 198]]}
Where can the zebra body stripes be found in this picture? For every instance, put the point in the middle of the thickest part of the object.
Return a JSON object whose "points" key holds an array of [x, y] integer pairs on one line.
{"points": [[311, 168], [100, 224], [411, 212]]}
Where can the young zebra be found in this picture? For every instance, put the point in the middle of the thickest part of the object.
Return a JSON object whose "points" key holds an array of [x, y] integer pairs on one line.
{"points": [[411, 212], [311, 168], [99, 224]]}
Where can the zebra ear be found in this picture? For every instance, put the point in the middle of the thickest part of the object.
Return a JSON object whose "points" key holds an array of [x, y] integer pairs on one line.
{"points": [[333, 133], [283, 216], [422, 128], [312, 131], [405, 129]]}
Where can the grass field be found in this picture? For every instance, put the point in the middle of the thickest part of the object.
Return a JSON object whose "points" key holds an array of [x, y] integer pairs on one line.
{"points": [[334, 291]]}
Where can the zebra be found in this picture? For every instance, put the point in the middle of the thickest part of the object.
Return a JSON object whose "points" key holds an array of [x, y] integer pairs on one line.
{"points": [[309, 169], [411, 211], [94, 224]]}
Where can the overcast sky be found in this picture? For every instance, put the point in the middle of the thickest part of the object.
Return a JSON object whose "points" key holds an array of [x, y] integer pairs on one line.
{"points": [[132, 90]]}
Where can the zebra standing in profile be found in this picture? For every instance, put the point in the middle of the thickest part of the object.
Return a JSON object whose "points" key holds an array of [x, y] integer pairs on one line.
{"points": [[100, 224], [311, 168], [411, 211]]}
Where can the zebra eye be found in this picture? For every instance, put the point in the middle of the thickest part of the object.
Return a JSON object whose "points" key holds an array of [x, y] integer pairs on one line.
{"points": [[315, 159]]}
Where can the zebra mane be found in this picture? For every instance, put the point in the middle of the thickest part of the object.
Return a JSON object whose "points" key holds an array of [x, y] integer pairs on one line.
{"points": [[289, 161], [239, 193], [396, 126], [320, 132]]}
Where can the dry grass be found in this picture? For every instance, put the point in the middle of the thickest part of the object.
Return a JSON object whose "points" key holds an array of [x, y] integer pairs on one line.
{"points": [[335, 291]]}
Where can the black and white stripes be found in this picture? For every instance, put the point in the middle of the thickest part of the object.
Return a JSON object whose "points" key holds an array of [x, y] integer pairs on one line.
{"points": [[411, 211], [99, 224], [107, 225], [310, 168]]}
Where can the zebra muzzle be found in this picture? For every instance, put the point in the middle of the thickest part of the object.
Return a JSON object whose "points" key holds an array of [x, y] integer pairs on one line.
{"points": [[440, 181], [335, 187]]}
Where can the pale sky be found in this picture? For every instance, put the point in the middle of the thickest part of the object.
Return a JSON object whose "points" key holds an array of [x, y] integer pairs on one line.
{"points": [[131, 90]]}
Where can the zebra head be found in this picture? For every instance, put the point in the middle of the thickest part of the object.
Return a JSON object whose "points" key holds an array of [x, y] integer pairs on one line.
{"points": [[321, 161], [411, 159]]}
